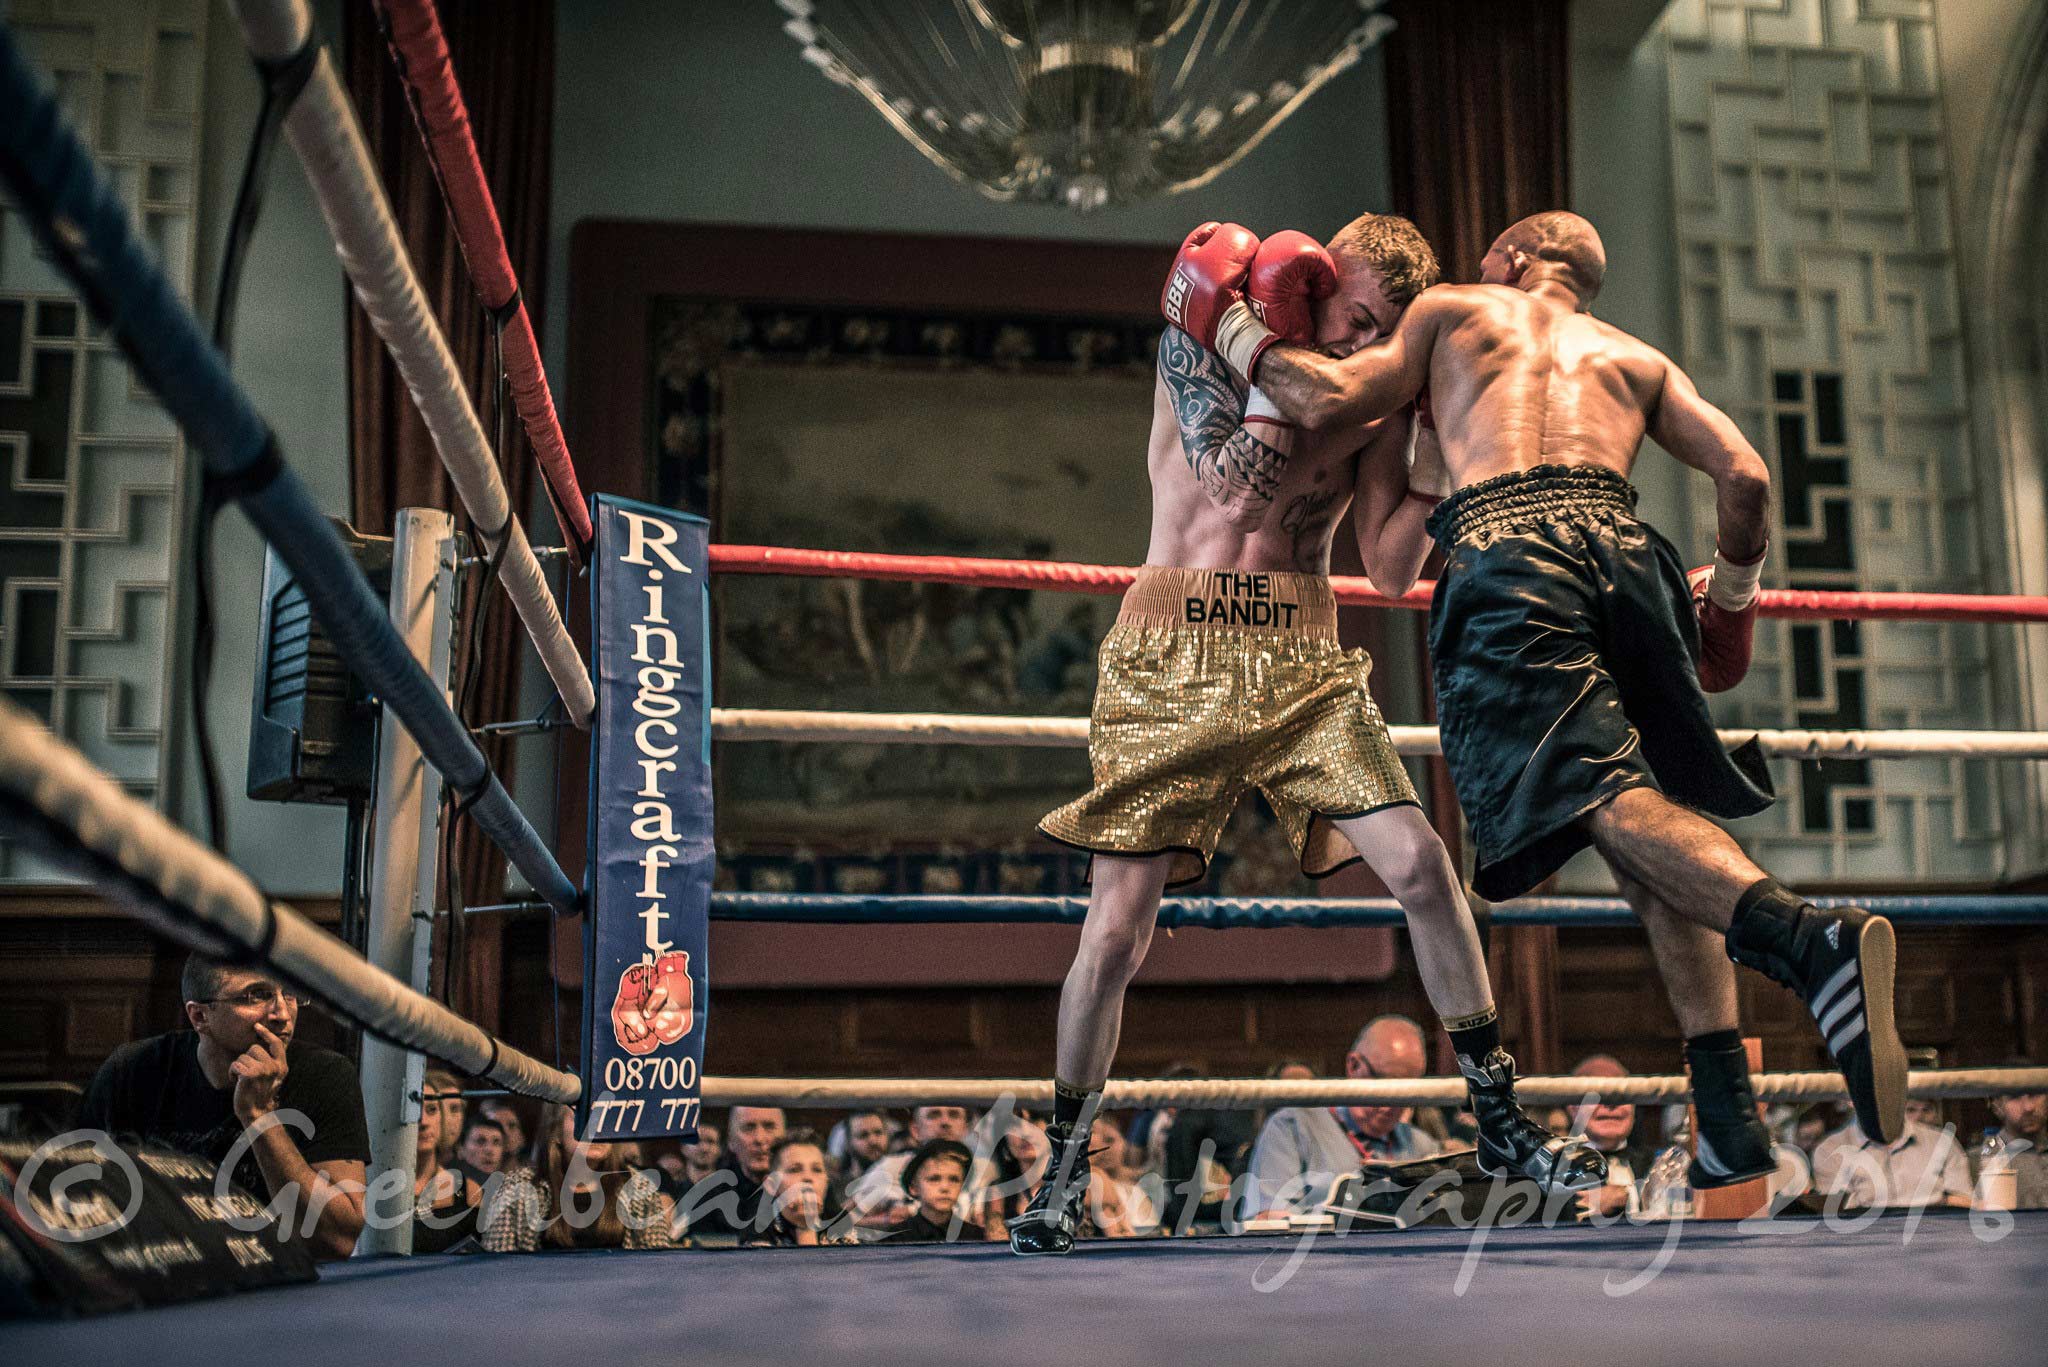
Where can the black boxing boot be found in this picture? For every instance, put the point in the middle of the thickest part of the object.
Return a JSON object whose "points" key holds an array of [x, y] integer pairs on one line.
{"points": [[1512, 1145], [1731, 1144], [1842, 963], [1050, 1221]]}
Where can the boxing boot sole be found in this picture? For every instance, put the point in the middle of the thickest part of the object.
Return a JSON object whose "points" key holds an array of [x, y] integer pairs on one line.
{"points": [[1879, 951]]}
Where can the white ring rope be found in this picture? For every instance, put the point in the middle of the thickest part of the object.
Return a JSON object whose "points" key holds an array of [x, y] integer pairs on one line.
{"points": [[1239, 1094], [116, 831], [324, 131], [933, 728]]}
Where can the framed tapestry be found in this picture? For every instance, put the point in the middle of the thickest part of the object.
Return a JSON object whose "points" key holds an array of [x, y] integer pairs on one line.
{"points": [[975, 397]]}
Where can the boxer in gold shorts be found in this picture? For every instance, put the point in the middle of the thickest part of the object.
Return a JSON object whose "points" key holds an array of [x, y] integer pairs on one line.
{"points": [[1217, 681], [1223, 673]]}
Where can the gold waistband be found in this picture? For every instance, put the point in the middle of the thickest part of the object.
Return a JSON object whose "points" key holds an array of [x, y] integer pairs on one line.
{"points": [[1255, 600]]}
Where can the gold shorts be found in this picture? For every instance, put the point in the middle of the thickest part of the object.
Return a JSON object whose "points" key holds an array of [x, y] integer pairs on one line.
{"points": [[1216, 681]]}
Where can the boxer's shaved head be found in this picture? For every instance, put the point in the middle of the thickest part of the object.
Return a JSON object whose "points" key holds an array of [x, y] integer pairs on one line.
{"points": [[1562, 239], [1390, 246]]}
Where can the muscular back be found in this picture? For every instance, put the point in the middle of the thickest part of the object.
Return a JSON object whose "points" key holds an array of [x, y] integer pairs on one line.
{"points": [[1190, 528], [1518, 379], [1225, 497]]}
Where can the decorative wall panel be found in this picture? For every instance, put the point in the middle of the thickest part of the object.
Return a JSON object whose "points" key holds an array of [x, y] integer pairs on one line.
{"points": [[91, 470], [1820, 309]]}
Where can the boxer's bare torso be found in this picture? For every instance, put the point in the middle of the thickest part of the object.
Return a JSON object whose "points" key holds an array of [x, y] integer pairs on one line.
{"points": [[1520, 377], [1249, 504], [1518, 380]]}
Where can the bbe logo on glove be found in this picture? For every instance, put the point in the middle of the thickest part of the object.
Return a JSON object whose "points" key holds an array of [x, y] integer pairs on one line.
{"points": [[654, 1005], [1174, 302], [1208, 276]]}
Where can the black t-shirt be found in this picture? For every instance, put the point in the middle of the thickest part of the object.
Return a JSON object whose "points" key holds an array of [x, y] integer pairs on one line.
{"points": [[1229, 1132], [726, 1202], [919, 1229], [448, 1223], [155, 1088]]}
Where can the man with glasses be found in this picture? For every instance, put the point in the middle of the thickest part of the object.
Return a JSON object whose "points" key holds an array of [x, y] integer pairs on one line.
{"points": [[1303, 1150], [236, 1089]]}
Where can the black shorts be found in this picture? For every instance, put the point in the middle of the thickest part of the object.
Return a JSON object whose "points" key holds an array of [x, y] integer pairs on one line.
{"points": [[1565, 650]]}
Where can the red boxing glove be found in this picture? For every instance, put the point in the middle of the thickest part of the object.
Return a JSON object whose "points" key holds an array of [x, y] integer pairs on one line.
{"points": [[1288, 276], [668, 1008], [1724, 600], [630, 1026], [1207, 278]]}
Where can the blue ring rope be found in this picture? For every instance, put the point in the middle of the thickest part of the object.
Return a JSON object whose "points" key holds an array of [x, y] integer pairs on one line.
{"points": [[81, 223], [1225, 913]]}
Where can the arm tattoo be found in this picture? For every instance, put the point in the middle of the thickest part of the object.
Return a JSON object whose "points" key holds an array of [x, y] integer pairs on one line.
{"points": [[1239, 472]]}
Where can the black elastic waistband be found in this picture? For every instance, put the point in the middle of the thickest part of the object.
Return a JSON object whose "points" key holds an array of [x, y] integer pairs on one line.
{"points": [[1541, 493]]}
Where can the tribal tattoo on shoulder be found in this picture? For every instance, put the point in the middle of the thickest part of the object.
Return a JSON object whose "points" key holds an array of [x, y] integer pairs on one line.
{"points": [[1239, 472]]}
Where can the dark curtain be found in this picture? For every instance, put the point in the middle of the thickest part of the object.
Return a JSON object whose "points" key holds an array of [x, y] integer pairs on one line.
{"points": [[504, 54], [1476, 109], [1477, 101]]}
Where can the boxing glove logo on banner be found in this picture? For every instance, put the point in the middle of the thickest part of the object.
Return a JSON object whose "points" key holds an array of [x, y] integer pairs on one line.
{"points": [[653, 1005]]}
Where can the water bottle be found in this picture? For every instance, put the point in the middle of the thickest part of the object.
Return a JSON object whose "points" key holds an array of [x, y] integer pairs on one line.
{"points": [[1666, 1193], [1997, 1179]]}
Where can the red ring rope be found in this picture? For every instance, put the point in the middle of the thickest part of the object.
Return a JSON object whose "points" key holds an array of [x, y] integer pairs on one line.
{"points": [[1352, 590], [421, 52]]}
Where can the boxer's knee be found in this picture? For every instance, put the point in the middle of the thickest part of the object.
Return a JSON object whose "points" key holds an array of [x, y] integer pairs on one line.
{"points": [[1628, 814], [1112, 951], [1425, 883], [1122, 909]]}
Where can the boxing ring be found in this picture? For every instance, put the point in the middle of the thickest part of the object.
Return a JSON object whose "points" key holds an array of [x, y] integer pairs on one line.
{"points": [[1881, 1293], [1952, 1284]]}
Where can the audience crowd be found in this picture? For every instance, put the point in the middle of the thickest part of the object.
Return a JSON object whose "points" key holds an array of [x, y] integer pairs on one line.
{"points": [[507, 1175]]}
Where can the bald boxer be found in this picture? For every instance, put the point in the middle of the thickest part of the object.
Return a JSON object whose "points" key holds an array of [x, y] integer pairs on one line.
{"points": [[1223, 674], [1571, 650]]}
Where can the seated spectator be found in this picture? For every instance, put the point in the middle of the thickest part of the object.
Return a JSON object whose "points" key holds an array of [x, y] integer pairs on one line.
{"points": [[797, 1189], [576, 1195], [1019, 1156], [700, 1157], [936, 1178], [1302, 1151], [1122, 1204], [238, 1082], [482, 1150], [2023, 1129], [505, 1111], [1811, 1126], [1924, 1166], [1289, 1069], [863, 1141], [444, 1199], [442, 1090], [1201, 1154], [726, 1200], [879, 1199], [1610, 1128]]}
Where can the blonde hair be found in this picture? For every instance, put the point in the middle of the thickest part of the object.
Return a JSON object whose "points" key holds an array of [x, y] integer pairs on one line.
{"points": [[1393, 247]]}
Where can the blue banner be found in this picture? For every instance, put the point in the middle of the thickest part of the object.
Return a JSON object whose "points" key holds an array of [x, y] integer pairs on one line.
{"points": [[645, 970]]}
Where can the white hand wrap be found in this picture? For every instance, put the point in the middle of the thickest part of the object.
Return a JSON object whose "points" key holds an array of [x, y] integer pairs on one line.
{"points": [[1240, 337], [1733, 586], [1260, 409], [1427, 473]]}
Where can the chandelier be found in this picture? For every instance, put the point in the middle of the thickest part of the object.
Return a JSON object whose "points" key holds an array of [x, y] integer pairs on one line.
{"points": [[1085, 103]]}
